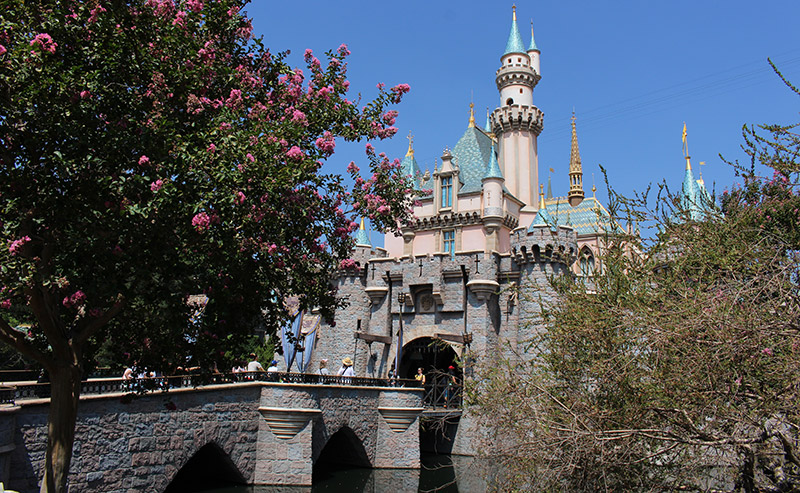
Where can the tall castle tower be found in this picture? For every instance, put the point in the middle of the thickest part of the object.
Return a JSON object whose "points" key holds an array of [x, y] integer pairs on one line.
{"points": [[517, 123]]}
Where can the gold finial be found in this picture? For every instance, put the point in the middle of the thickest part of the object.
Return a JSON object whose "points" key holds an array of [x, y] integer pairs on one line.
{"points": [[362, 228], [541, 196], [686, 149], [471, 115], [410, 144], [514, 12], [700, 180]]}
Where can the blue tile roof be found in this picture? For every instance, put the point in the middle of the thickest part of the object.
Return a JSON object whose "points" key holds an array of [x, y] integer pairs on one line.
{"points": [[589, 217], [362, 238], [472, 154], [493, 169], [514, 44]]}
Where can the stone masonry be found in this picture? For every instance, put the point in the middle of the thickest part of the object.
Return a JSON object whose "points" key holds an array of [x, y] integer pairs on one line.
{"points": [[142, 444]]}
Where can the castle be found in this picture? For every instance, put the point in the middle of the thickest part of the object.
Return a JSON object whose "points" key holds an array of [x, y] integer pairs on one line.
{"points": [[471, 269]]}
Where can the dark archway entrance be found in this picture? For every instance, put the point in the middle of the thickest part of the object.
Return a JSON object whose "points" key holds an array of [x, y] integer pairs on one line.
{"points": [[210, 467], [344, 451], [434, 356]]}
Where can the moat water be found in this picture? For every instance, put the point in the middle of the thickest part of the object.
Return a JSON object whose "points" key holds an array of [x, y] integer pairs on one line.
{"points": [[439, 473]]}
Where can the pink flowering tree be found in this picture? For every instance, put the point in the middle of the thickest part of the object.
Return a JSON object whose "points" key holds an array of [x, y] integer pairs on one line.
{"points": [[152, 150]]}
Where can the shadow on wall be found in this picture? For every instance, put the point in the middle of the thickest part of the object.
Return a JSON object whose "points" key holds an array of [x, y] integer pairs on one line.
{"points": [[210, 467], [343, 451]]}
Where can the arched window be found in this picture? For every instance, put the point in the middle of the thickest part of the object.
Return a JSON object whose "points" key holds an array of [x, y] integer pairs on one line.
{"points": [[587, 263], [509, 102]]}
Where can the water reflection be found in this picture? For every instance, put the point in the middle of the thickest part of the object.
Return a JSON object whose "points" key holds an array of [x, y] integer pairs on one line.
{"points": [[439, 473]]}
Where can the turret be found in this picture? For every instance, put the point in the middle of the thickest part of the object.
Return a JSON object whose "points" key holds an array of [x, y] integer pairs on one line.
{"points": [[535, 54], [516, 78], [575, 195], [492, 202], [517, 122]]}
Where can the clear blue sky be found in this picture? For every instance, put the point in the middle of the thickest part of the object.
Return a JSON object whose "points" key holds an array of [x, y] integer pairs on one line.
{"points": [[634, 71]]}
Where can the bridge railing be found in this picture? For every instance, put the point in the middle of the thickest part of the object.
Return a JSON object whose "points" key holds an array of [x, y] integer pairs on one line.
{"points": [[10, 394], [442, 392]]}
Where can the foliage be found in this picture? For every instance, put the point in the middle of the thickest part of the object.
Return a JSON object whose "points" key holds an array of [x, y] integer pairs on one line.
{"points": [[679, 368], [152, 150]]}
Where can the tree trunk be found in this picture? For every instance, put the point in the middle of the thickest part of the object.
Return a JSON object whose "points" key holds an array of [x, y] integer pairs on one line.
{"points": [[65, 387]]}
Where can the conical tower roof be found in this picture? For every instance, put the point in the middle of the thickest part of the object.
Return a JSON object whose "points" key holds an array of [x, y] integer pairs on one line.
{"points": [[574, 151], [533, 46], [409, 166], [493, 170], [362, 238], [514, 44], [542, 219]]}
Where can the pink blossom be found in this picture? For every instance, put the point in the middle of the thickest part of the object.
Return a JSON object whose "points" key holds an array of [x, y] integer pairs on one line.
{"points": [[211, 148], [201, 221], [235, 98], [86, 94], [343, 51], [144, 160], [347, 263], [95, 13], [240, 198], [194, 5], [299, 116], [45, 42], [180, 19], [272, 248], [766, 351], [156, 185], [14, 246], [295, 154], [225, 126], [352, 168], [250, 158], [2, 49], [5, 304], [370, 149], [326, 143], [78, 298]]}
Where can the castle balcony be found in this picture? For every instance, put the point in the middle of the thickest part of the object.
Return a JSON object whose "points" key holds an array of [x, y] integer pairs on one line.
{"points": [[517, 117], [515, 74]]}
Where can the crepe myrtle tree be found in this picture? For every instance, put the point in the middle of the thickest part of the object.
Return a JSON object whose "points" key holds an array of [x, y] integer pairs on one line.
{"points": [[152, 150], [676, 366]]}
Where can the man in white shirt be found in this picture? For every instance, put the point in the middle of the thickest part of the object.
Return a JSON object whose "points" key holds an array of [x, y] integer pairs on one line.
{"points": [[254, 365]]}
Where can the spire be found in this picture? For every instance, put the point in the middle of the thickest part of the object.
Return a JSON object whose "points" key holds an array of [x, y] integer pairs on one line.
{"points": [[409, 166], [471, 115], [542, 218], [686, 149], [575, 194], [488, 127], [533, 46], [549, 186], [514, 44], [362, 238], [493, 170]]}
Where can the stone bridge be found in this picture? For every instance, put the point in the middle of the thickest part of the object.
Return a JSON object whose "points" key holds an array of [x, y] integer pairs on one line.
{"points": [[251, 432]]}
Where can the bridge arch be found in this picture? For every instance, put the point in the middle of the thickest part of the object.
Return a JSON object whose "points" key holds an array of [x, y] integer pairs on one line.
{"points": [[343, 449], [209, 467]]}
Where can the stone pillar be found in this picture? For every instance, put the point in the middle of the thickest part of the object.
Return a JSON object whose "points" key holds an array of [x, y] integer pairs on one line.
{"points": [[285, 446]]}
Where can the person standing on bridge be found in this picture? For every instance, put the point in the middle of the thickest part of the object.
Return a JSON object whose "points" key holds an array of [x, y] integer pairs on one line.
{"points": [[323, 367], [254, 365], [347, 368]]}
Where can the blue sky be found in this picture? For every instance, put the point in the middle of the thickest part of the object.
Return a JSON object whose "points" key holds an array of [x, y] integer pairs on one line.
{"points": [[634, 71]]}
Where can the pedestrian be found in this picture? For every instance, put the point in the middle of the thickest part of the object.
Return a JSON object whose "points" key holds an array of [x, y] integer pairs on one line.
{"points": [[449, 391], [347, 368], [254, 365], [323, 367], [420, 377], [273, 367]]}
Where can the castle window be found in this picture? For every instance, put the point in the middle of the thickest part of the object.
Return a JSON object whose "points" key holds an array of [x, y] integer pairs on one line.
{"points": [[447, 191], [587, 264], [519, 60], [449, 242], [520, 91], [509, 102]]}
